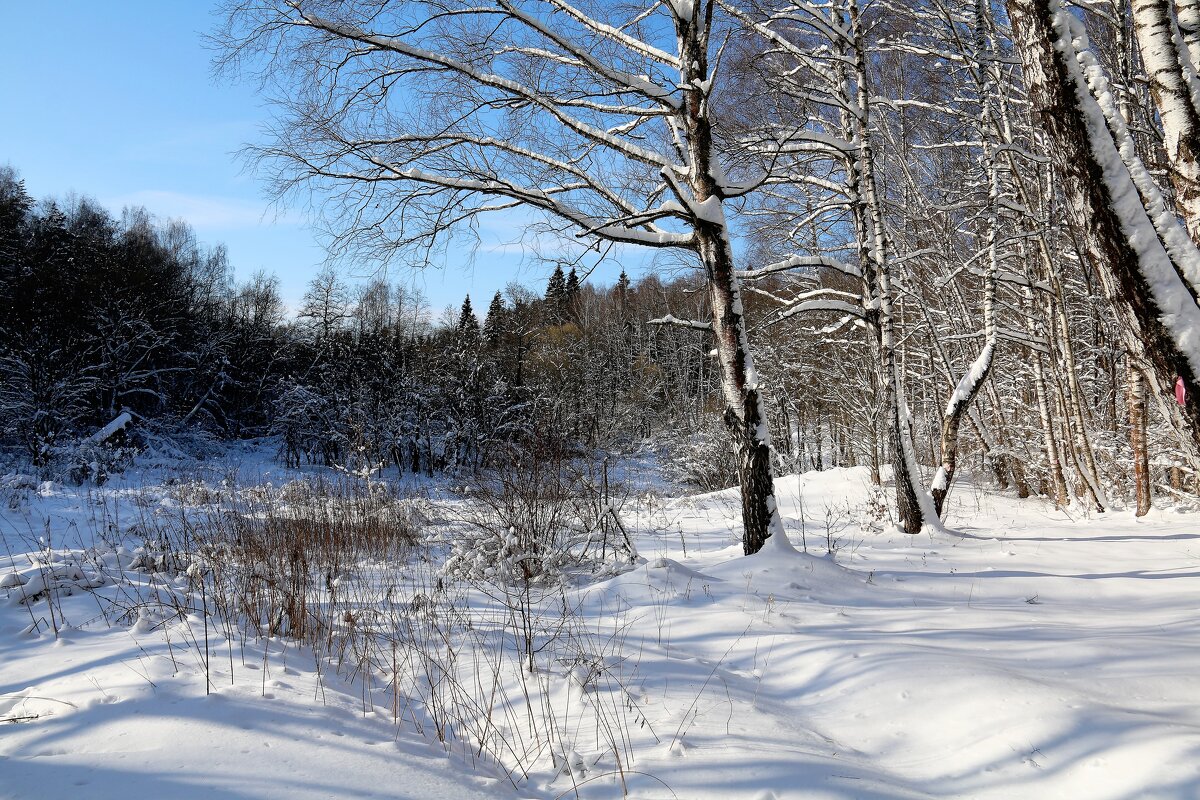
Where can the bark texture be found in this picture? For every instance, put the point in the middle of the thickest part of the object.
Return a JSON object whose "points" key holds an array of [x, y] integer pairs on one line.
{"points": [[1137, 438], [744, 413], [1056, 97], [1172, 78]]}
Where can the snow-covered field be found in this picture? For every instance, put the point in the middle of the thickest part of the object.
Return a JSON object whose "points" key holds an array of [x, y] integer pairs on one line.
{"points": [[1034, 654]]}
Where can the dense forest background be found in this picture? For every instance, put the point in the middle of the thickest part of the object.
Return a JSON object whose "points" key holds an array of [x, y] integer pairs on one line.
{"points": [[919, 238], [102, 316]]}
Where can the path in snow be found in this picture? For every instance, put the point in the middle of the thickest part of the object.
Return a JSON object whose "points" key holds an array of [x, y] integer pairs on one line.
{"points": [[1035, 656]]}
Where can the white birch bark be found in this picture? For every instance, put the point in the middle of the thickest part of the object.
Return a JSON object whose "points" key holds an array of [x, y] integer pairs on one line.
{"points": [[1107, 192], [1172, 72]]}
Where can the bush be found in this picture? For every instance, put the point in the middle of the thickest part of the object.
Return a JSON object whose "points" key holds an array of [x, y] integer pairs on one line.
{"points": [[703, 459]]}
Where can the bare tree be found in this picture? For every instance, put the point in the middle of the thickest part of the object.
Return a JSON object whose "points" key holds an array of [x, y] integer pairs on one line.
{"points": [[1130, 230], [412, 119]]}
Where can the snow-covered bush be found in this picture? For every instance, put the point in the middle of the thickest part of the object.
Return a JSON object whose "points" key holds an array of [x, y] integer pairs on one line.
{"points": [[194, 493], [92, 462], [541, 520], [702, 459], [16, 488]]}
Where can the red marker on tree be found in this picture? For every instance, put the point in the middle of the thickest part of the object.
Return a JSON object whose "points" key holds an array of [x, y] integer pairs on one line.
{"points": [[1180, 391]]}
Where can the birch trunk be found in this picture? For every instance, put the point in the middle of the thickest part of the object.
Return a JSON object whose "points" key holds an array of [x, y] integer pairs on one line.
{"points": [[914, 505], [745, 415], [1136, 389], [1188, 15], [1058, 480], [1103, 198], [1172, 82], [1081, 453], [971, 382]]}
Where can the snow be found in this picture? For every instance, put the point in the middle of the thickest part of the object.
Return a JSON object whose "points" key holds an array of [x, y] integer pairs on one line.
{"points": [[683, 9], [974, 375], [1035, 653], [711, 211], [115, 719], [121, 420], [1142, 222]]}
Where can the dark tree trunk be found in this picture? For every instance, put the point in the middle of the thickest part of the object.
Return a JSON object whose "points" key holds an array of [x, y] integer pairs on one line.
{"points": [[744, 414], [1056, 101]]}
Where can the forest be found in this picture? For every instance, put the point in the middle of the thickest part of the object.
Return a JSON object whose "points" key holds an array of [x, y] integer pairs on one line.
{"points": [[105, 316], [917, 287]]}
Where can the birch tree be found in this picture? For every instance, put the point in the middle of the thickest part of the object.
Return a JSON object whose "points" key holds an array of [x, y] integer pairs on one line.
{"points": [[1170, 65], [817, 58], [1113, 198], [410, 120]]}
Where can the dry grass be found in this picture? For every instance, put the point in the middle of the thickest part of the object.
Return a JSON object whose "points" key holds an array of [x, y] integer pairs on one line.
{"points": [[498, 666]]}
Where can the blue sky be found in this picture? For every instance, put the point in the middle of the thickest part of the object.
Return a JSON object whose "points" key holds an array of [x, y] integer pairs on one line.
{"points": [[115, 100]]}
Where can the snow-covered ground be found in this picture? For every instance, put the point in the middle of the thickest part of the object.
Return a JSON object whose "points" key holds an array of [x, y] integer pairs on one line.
{"points": [[1034, 655]]}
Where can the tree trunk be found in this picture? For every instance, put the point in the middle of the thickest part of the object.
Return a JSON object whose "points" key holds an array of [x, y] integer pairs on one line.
{"points": [[914, 505], [1168, 65], [1137, 437], [969, 385], [1053, 458], [1188, 12], [1103, 198], [1081, 453], [745, 414]]}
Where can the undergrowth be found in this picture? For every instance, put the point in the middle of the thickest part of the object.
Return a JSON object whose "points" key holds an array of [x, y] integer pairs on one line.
{"points": [[459, 619]]}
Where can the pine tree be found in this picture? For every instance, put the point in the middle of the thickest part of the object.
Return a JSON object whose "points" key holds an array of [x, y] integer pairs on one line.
{"points": [[494, 322], [571, 291], [622, 286], [556, 288], [467, 320]]}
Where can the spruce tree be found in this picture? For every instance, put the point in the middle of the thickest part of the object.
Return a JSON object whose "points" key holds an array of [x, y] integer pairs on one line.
{"points": [[556, 288], [467, 320], [622, 286], [570, 304], [15, 204], [494, 322]]}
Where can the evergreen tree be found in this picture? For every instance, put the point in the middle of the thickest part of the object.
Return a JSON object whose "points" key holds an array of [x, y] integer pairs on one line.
{"points": [[493, 324], [622, 286], [556, 289], [15, 204], [466, 320], [571, 302]]}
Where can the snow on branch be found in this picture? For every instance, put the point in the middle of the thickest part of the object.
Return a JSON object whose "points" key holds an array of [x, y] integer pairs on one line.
{"points": [[670, 319], [111, 429], [800, 262], [841, 306]]}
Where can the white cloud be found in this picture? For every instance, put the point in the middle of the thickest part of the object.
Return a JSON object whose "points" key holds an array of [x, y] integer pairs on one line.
{"points": [[206, 212]]}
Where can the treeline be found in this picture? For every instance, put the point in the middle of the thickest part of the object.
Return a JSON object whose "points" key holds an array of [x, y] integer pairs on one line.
{"points": [[372, 380], [101, 316]]}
